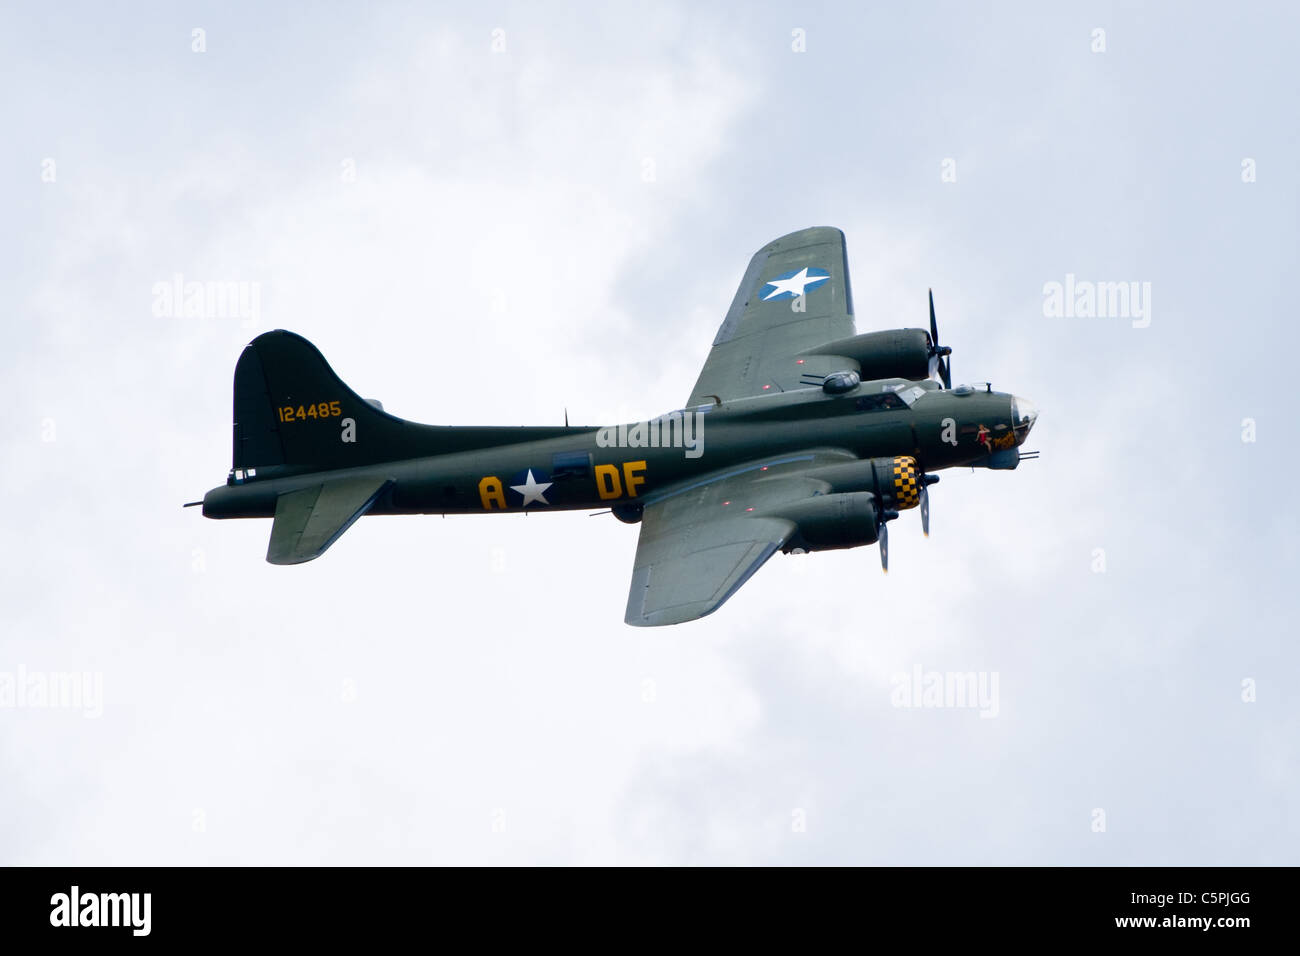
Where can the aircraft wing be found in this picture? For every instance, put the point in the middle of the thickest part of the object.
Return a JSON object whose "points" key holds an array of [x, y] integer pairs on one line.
{"points": [[794, 295], [703, 538], [309, 520]]}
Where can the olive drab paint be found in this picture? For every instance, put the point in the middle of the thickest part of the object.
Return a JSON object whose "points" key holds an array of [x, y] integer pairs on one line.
{"points": [[800, 434]]}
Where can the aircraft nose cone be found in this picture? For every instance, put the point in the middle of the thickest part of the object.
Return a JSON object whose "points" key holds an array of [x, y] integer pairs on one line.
{"points": [[1023, 415]]}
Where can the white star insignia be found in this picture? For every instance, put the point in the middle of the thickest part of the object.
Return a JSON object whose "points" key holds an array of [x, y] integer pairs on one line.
{"points": [[793, 285], [532, 490]]}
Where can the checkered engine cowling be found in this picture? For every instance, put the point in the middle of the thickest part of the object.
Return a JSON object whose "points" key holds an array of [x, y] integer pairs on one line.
{"points": [[898, 481]]}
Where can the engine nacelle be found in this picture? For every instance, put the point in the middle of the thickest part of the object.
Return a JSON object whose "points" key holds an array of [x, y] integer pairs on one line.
{"points": [[896, 353], [828, 522], [896, 481]]}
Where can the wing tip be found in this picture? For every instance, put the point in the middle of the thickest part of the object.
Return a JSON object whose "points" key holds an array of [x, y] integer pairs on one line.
{"points": [[809, 235]]}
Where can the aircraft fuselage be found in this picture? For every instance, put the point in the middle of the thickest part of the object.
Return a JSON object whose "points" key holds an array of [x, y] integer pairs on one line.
{"points": [[621, 467]]}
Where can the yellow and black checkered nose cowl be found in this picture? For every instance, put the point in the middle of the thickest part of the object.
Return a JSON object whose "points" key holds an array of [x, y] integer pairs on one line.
{"points": [[907, 485]]}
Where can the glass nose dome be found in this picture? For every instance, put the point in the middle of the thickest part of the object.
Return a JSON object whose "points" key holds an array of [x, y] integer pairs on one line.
{"points": [[1023, 413]]}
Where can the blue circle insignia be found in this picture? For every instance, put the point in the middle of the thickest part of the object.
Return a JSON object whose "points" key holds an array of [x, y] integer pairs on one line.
{"points": [[793, 284]]}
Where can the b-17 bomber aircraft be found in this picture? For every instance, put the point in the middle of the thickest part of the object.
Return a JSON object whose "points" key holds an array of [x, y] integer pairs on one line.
{"points": [[799, 435]]}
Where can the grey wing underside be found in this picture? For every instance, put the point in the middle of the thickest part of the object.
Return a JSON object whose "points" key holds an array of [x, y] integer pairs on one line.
{"points": [[766, 328], [675, 581], [700, 541]]}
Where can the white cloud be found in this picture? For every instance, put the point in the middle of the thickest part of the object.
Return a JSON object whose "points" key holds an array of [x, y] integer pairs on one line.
{"points": [[499, 230]]}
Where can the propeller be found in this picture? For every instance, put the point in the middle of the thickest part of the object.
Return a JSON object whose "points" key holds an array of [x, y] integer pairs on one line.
{"points": [[882, 536], [887, 502], [926, 482], [886, 512], [939, 352]]}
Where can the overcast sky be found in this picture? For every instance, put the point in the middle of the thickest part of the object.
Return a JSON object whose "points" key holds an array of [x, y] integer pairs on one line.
{"points": [[487, 214]]}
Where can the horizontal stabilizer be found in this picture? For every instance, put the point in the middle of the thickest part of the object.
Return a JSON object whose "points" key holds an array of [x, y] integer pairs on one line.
{"points": [[309, 520]]}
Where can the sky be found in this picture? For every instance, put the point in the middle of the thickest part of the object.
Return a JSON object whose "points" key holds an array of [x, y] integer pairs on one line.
{"points": [[497, 213]]}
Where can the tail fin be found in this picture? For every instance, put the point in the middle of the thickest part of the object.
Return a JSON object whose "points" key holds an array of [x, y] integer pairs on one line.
{"points": [[293, 414], [291, 409]]}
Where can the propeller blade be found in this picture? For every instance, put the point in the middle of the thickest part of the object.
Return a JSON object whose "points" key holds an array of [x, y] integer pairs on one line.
{"points": [[925, 510], [938, 351], [883, 538]]}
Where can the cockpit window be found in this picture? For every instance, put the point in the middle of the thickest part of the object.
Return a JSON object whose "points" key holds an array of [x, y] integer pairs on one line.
{"points": [[879, 402], [908, 393], [903, 395]]}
